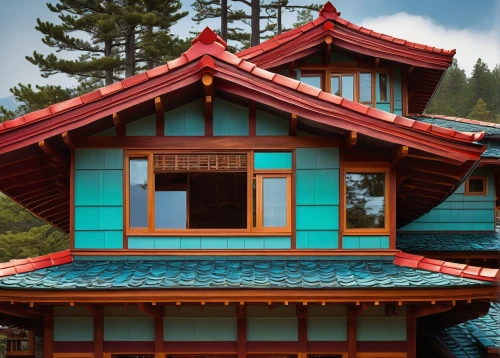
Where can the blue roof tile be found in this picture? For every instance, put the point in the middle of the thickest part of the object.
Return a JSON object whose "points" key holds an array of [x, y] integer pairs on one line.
{"points": [[473, 338], [212, 274], [459, 126], [448, 242]]}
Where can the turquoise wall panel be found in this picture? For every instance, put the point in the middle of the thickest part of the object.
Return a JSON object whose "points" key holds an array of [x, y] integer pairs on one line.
{"points": [[327, 329], [386, 107], [99, 198], [377, 89], [229, 119], [142, 127], [317, 217], [272, 329], [200, 329], [111, 132], [365, 242], [317, 198], [398, 92], [64, 329], [461, 212], [187, 120], [129, 329], [381, 328], [209, 243], [268, 124], [272, 160]]}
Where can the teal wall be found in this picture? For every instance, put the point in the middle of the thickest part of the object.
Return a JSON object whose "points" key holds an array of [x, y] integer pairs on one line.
{"points": [[229, 119], [129, 324], [317, 198], [278, 323], [461, 212], [365, 242], [98, 198], [398, 91], [268, 124], [272, 160], [187, 120], [64, 329], [375, 325], [326, 323], [209, 243], [142, 127]]}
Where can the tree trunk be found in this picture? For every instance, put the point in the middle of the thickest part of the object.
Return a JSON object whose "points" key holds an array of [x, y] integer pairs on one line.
{"points": [[255, 23], [279, 17], [223, 19], [130, 52], [108, 79]]}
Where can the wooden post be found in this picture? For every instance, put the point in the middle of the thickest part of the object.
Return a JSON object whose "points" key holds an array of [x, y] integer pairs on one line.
{"points": [[252, 119], [160, 120], [302, 328], [293, 124], [392, 208], [411, 331], [159, 333], [48, 332], [351, 332], [242, 331]]}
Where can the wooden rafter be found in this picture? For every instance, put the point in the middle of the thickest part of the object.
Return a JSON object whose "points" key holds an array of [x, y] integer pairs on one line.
{"points": [[160, 121], [398, 153], [119, 125], [68, 140], [328, 49], [442, 169], [293, 124], [351, 139], [54, 154]]}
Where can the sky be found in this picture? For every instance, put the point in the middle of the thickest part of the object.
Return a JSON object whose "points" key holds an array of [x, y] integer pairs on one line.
{"points": [[471, 27]]}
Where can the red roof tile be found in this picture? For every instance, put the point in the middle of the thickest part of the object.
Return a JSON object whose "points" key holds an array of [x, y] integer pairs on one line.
{"points": [[26, 265], [449, 268]]}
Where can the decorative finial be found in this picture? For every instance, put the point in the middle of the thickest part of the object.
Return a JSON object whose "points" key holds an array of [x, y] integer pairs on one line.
{"points": [[208, 36], [329, 8]]}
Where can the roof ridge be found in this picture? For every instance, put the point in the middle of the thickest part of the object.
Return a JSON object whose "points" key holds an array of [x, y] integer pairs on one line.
{"points": [[18, 266], [456, 119], [445, 267]]}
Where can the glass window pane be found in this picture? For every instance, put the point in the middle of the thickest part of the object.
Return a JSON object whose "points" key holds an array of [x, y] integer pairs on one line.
{"points": [[138, 192], [313, 80], [365, 200], [365, 87], [383, 81], [274, 202], [476, 185], [335, 85], [170, 209], [348, 87]]}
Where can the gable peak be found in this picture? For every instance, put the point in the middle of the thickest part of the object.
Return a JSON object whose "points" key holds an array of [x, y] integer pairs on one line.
{"points": [[208, 36], [330, 9]]}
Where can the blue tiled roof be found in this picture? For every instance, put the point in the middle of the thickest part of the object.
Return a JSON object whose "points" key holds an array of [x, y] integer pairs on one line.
{"points": [[459, 126], [473, 338], [448, 242], [493, 151], [215, 274]]}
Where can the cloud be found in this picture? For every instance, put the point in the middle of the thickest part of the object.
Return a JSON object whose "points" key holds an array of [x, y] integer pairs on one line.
{"points": [[470, 44]]}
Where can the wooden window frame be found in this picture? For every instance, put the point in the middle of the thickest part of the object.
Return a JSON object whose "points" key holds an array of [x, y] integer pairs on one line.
{"points": [[365, 168], [252, 174], [345, 73], [260, 203], [321, 75], [485, 186]]}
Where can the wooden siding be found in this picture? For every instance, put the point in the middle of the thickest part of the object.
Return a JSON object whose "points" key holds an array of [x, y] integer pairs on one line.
{"points": [[461, 212]]}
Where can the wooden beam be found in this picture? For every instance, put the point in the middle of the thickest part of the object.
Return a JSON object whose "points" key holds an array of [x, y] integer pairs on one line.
{"points": [[293, 124], [98, 331], [377, 62], [425, 156], [15, 310], [427, 310], [252, 118], [302, 328], [411, 332], [208, 84], [68, 140], [410, 70], [119, 125], [328, 49], [398, 153], [54, 154], [352, 322], [160, 117], [209, 113], [432, 178], [443, 169], [241, 324], [48, 332], [149, 309], [351, 139]]}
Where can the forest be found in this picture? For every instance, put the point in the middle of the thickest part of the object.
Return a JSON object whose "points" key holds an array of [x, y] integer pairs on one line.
{"points": [[118, 39]]}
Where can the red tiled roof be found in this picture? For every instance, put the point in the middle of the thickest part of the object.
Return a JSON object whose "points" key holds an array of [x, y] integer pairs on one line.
{"points": [[35, 263], [209, 44], [450, 268], [329, 12], [457, 119]]}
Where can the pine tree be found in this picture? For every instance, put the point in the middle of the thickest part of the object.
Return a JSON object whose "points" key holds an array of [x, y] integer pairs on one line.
{"points": [[303, 17], [496, 100], [482, 85], [480, 112]]}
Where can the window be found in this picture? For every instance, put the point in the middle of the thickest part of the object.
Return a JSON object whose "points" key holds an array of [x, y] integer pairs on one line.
{"points": [[365, 201], [342, 85], [179, 192], [476, 186], [313, 79], [365, 88], [383, 90]]}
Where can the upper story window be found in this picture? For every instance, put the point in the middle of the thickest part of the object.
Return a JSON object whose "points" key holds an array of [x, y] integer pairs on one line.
{"points": [[366, 200], [476, 185], [366, 86], [203, 192]]}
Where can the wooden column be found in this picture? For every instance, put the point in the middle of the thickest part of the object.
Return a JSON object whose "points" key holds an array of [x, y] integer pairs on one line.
{"points": [[160, 117], [393, 196], [98, 312], [351, 332], [48, 332], [302, 329], [159, 333], [252, 119], [411, 331], [242, 331]]}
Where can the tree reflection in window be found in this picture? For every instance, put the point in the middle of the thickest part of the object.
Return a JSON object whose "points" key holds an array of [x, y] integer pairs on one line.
{"points": [[365, 200]]}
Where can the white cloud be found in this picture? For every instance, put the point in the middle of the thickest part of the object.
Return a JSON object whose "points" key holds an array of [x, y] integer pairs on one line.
{"points": [[470, 44]]}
